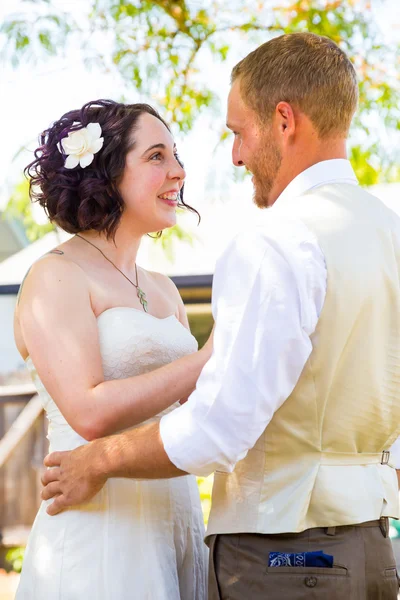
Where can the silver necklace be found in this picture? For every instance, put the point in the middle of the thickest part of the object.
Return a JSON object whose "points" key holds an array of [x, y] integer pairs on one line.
{"points": [[140, 293]]}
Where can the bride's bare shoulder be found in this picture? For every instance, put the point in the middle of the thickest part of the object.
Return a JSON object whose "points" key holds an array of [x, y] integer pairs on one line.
{"points": [[53, 273], [172, 294], [164, 282]]}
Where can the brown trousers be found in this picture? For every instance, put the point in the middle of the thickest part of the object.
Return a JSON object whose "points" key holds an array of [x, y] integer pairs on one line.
{"points": [[364, 565]]}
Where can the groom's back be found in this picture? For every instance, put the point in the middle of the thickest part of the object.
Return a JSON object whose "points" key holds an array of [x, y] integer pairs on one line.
{"points": [[355, 363], [323, 447], [345, 409]]}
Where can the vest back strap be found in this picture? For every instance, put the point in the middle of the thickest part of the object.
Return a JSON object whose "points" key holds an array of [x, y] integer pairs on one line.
{"points": [[355, 458]]}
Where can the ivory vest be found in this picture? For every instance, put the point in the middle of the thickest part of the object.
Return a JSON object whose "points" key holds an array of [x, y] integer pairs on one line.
{"points": [[319, 461]]}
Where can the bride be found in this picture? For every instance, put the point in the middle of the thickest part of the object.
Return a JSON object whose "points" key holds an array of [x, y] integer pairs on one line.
{"points": [[108, 346]]}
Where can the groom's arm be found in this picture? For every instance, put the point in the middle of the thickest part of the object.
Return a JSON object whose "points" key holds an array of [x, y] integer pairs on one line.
{"points": [[75, 477]]}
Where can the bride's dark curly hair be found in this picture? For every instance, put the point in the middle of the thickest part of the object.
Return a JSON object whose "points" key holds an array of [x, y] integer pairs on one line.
{"points": [[82, 199]]}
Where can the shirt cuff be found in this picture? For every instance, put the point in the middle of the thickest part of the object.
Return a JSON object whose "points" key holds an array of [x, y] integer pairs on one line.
{"points": [[188, 447]]}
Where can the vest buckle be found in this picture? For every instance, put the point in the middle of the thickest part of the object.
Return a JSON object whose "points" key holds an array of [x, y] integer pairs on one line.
{"points": [[385, 457]]}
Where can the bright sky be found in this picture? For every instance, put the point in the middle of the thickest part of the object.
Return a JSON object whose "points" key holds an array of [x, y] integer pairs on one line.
{"points": [[32, 97]]}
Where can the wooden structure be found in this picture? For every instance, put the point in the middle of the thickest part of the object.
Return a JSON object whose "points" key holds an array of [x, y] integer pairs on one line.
{"points": [[23, 445]]}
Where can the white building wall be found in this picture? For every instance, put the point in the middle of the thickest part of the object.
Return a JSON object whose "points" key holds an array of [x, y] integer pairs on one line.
{"points": [[10, 359]]}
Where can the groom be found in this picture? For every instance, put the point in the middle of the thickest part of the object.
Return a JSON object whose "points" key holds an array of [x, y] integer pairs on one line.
{"points": [[300, 402]]}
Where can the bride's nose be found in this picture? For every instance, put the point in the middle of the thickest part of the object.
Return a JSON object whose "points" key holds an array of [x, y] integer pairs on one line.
{"points": [[177, 172]]}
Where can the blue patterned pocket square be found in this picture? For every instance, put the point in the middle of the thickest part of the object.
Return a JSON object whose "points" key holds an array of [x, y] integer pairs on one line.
{"points": [[300, 559]]}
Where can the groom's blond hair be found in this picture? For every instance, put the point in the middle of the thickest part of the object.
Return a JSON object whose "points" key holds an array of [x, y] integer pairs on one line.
{"points": [[303, 69]]}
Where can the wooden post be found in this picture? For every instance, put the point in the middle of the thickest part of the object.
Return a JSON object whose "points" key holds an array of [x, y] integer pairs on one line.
{"points": [[19, 428], [20, 434]]}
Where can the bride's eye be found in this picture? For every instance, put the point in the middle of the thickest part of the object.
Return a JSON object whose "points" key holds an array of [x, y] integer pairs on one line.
{"points": [[155, 156]]}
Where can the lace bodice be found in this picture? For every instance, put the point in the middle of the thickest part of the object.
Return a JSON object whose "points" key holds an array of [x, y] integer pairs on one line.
{"points": [[132, 342]]}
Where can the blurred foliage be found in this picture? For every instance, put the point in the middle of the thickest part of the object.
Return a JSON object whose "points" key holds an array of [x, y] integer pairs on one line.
{"points": [[160, 47], [201, 323], [205, 488], [154, 45], [157, 47], [15, 557], [167, 237], [19, 206]]}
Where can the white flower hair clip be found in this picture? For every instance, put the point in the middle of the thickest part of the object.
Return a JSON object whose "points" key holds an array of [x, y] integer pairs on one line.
{"points": [[81, 145]]}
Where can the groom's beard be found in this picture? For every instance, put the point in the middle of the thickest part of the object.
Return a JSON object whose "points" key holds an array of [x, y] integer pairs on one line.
{"points": [[265, 166]]}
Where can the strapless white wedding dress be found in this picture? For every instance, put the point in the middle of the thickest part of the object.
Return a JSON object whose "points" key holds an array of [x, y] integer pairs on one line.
{"points": [[137, 539]]}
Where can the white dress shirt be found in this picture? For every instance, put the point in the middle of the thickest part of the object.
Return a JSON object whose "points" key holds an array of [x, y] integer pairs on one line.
{"points": [[268, 292]]}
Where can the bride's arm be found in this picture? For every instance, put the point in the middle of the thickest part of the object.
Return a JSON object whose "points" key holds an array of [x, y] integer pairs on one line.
{"points": [[60, 332]]}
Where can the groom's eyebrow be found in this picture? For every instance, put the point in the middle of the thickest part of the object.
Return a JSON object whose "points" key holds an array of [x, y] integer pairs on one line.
{"points": [[232, 126]]}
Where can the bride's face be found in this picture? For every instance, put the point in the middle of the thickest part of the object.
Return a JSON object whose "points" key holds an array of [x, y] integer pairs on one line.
{"points": [[152, 177]]}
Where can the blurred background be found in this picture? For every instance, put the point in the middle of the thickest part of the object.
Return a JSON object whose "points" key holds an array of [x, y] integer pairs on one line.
{"points": [[56, 55]]}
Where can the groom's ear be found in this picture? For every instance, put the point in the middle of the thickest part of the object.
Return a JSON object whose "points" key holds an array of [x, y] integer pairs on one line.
{"points": [[285, 120]]}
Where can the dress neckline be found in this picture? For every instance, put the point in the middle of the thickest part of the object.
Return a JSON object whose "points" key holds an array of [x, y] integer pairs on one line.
{"points": [[131, 308], [135, 310]]}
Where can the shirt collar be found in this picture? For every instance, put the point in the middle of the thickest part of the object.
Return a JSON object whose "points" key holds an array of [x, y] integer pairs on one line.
{"points": [[338, 170]]}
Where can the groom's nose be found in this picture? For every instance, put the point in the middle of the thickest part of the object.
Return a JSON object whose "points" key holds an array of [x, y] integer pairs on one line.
{"points": [[237, 161]]}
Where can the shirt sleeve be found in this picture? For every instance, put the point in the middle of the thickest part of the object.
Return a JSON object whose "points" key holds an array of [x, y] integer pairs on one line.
{"points": [[265, 300]]}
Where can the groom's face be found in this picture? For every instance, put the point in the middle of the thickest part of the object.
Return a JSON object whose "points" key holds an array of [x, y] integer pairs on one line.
{"points": [[254, 146]]}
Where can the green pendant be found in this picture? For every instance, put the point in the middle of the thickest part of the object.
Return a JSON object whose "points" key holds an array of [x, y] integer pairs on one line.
{"points": [[142, 298]]}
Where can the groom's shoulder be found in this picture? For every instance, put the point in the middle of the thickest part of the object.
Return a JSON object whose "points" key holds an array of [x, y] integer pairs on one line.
{"points": [[273, 231], [271, 226]]}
